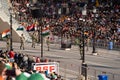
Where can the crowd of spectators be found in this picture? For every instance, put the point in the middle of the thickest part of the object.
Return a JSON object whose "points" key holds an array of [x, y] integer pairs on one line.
{"points": [[63, 18], [13, 65]]}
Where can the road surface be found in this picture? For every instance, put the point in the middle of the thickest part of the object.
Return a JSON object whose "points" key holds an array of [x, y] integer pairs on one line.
{"points": [[107, 61]]}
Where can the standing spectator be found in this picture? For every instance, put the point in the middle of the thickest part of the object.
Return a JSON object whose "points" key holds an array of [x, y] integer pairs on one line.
{"points": [[16, 57], [20, 59], [11, 55], [37, 60], [22, 42], [25, 61], [30, 61], [2, 70]]}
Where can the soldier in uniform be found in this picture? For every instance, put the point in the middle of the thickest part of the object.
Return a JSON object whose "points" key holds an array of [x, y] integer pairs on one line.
{"points": [[87, 43], [81, 50], [22, 41], [33, 40], [48, 42], [80, 44], [8, 43]]}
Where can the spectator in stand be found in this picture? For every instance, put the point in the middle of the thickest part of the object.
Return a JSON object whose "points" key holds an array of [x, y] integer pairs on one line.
{"points": [[23, 73], [25, 61], [4, 55], [11, 55], [20, 59], [37, 60], [30, 61], [106, 21], [107, 25], [2, 71], [16, 57]]}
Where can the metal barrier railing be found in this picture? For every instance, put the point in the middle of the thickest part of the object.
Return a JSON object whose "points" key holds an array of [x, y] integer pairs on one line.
{"points": [[92, 74], [106, 44], [99, 43]]}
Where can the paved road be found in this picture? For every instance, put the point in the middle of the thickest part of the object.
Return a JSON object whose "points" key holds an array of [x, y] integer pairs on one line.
{"points": [[107, 60]]}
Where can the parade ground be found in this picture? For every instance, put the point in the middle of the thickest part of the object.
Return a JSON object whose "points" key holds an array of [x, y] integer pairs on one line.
{"points": [[106, 61]]}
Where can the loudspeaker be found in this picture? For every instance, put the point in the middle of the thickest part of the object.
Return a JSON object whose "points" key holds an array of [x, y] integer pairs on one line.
{"points": [[36, 13]]}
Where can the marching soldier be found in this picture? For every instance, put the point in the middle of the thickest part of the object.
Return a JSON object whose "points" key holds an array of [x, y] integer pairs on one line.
{"points": [[48, 42], [81, 50], [87, 44], [33, 40], [22, 41], [80, 43], [8, 43]]}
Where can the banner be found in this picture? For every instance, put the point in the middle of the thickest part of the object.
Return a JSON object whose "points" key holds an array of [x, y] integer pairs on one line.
{"points": [[50, 66]]}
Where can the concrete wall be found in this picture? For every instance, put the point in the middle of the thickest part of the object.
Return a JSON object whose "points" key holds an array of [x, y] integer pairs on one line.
{"points": [[4, 26]]}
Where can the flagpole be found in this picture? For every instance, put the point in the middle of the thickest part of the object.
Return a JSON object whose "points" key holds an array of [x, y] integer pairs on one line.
{"points": [[41, 39], [10, 12], [37, 13]]}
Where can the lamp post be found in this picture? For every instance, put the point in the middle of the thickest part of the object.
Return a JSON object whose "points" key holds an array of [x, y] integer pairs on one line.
{"points": [[38, 31], [84, 65], [84, 13], [10, 12], [41, 39], [94, 32], [37, 13], [61, 32]]}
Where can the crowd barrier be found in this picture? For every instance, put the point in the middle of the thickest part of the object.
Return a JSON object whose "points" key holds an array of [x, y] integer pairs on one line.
{"points": [[111, 45], [92, 74]]}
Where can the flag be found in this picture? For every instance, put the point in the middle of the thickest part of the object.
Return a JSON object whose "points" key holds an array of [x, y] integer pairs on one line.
{"points": [[20, 28], [45, 31], [5, 33], [31, 27]]}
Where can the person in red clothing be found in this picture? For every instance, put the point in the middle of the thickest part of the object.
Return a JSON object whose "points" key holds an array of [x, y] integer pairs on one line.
{"points": [[11, 55], [37, 60]]}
